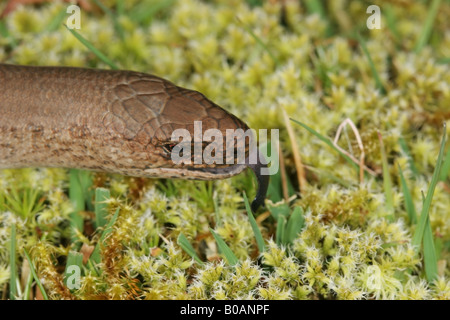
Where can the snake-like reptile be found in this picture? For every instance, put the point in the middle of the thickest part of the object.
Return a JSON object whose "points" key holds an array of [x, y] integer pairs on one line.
{"points": [[106, 120]]}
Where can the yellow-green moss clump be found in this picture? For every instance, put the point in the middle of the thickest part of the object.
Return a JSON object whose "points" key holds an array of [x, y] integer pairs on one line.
{"points": [[356, 240]]}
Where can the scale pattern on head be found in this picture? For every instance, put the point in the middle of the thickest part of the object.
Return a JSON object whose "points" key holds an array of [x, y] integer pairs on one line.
{"points": [[147, 109]]}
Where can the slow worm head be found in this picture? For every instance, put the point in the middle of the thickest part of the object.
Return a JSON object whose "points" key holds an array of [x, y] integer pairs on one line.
{"points": [[111, 121]]}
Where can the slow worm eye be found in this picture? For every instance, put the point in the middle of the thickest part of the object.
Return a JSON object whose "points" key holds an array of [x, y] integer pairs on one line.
{"points": [[168, 148]]}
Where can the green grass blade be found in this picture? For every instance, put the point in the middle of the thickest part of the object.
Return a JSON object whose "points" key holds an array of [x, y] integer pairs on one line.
{"points": [[274, 191], [91, 48], [95, 256], [294, 226], [409, 204], [281, 226], [418, 235], [439, 246], [29, 283], [101, 207], [76, 196], [262, 44], [86, 181], [73, 259], [429, 254], [117, 27], [80, 194], [225, 249], [278, 209], [120, 7], [216, 210], [258, 236], [57, 20], [407, 152], [315, 7], [35, 276], [428, 26], [255, 3], [147, 10], [3, 30], [104, 8], [5, 34], [12, 265], [3, 206], [445, 170], [184, 243], [92, 268], [387, 183], [391, 21], [375, 74]]}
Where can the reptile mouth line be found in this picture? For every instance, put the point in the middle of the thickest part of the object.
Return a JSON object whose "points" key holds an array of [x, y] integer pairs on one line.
{"points": [[263, 180]]}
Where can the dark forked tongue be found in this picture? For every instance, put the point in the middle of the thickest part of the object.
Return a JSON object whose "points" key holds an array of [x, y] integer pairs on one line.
{"points": [[263, 182]]}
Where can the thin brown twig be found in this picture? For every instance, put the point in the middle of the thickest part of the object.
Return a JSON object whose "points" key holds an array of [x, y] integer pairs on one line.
{"points": [[297, 158], [284, 185], [362, 166]]}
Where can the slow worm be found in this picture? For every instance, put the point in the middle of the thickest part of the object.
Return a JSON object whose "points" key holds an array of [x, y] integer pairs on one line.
{"points": [[105, 120]]}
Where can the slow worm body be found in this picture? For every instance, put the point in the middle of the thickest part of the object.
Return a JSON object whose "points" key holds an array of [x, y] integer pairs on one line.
{"points": [[110, 121]]}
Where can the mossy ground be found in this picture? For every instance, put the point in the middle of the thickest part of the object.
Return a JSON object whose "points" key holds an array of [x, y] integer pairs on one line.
{"points": [[256, 59]]}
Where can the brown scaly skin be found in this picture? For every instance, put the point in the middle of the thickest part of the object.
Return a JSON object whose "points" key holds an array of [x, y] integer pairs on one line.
{"points": [[103, 120]]}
